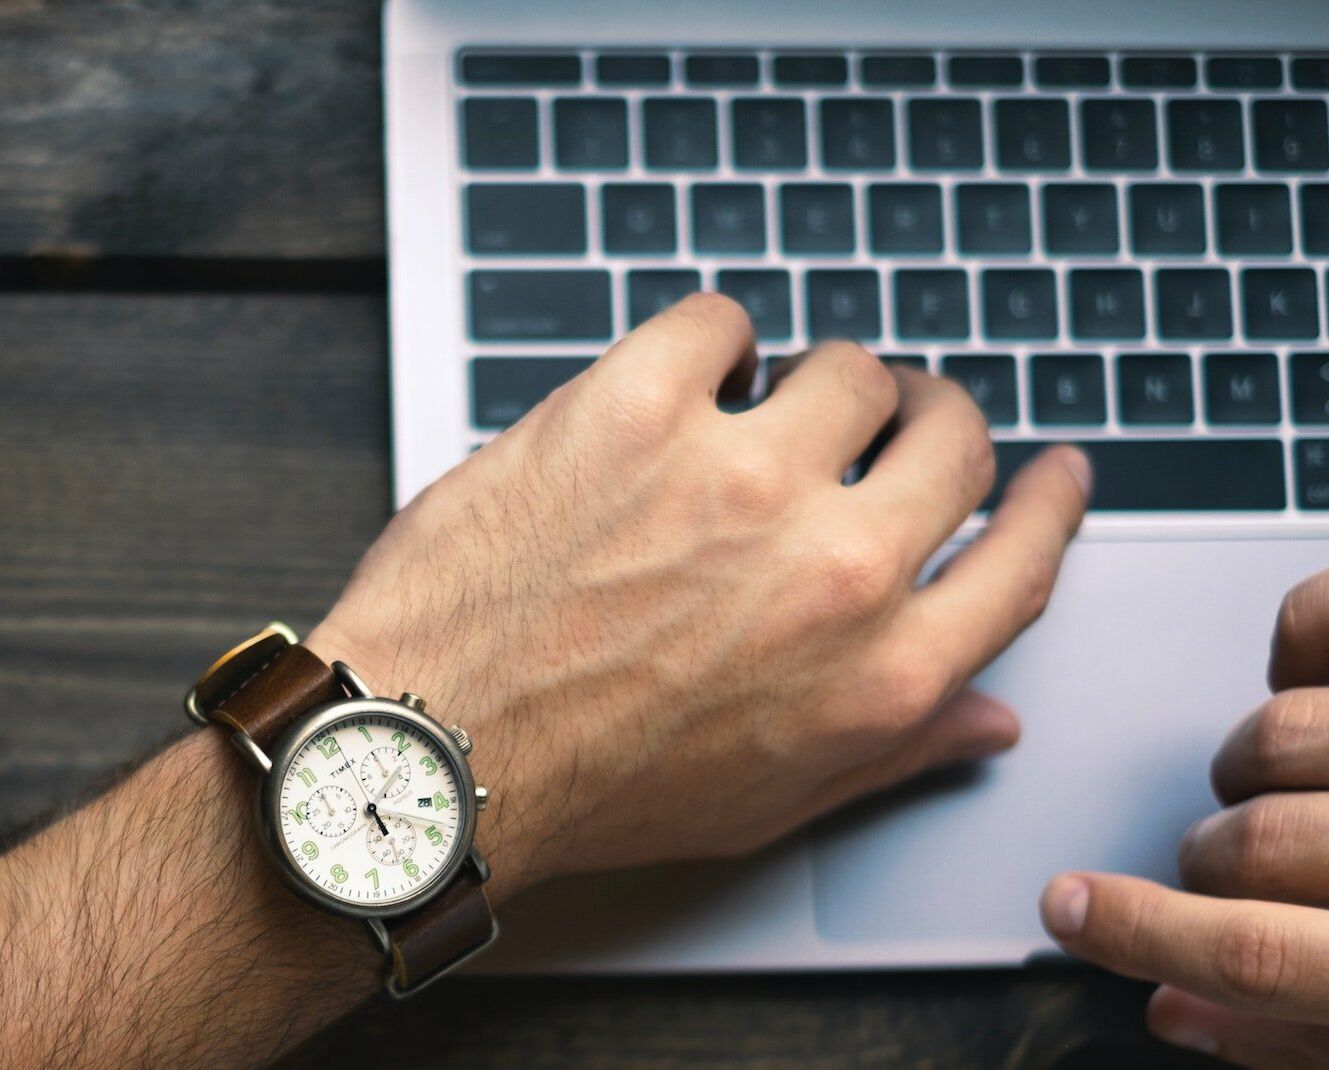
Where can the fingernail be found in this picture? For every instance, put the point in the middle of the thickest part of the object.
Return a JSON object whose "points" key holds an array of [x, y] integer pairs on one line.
{"points": [[1183, 1035], [1079, 467], [1065, 904], [987, 748]]}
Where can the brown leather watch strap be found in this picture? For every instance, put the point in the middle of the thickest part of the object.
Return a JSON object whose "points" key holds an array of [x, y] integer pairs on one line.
{"points": [[442, 933], [292, 683]]}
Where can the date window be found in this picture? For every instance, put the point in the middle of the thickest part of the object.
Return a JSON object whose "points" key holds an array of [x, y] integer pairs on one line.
{"points": [[425, 803]]}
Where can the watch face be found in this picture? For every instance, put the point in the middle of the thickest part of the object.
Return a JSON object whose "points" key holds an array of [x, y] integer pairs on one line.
{"points": [[371, 806]]}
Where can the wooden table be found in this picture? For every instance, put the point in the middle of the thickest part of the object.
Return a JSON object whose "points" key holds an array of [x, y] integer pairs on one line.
{"points": [[194, 434]]}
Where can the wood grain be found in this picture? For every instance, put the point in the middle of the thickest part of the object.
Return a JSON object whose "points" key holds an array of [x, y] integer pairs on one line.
{"points": [[202, 129]]}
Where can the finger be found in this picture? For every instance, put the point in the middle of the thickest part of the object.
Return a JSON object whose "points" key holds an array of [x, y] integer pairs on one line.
{"points": [[702, 343], [970, 727], [830, 406], [1300, 654], [1264, 957], [1250, 1040], [1272, 847], [1282, 746], [998, 585], [936, 467]]}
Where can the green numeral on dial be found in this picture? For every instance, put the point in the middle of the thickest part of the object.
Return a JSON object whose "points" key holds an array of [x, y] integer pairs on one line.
{"points": [[365, 732], [308, 777], [441, 801], [372, 874], [431, 766], [399, 738], [298, 812], [327, 747], [412, 870], [310, 849], [435, 837], [339, 873]]}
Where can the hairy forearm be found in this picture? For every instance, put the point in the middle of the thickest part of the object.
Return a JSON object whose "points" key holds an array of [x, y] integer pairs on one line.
{"points": [[148, 930]]}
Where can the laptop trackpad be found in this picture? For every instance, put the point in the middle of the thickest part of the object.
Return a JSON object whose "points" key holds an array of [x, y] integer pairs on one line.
{"points": [[1150, 652]]}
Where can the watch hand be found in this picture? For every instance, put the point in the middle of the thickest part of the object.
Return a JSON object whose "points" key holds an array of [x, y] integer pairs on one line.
{"points": [[389, 782], [372, 811], [403, 813], [379, 762]]}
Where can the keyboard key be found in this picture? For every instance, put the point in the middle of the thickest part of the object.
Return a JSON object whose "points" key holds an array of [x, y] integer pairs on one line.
{"points": [[932, 304], [1158, 72], [1080, 218], [857, 133], [905, 360], [975, 71], [1068, 388], [1072, 72], [770, 133], [1154, 389], [1118, 135], [1280, 303], [1315, 218], [638, 217], [800, 70], [1134, 475], [635, 70], [504, 218], [1241, 388], [1107, 303], [844, 304], [945, 135], [1310, 388], [501, 133], [555, 305], [1020, 304], [993, 217], [1253, 219], [651, 291], [1244, 72], [517, 68], [728, 218], [504, 389], [1310, 72], [904, 218], [1312, 467], [817, 217], [1167, 218], [591, 133], [902, 72], [716, 69], [679, 134], [990, 380], [765, 295], [1033, 135], [1291, 135], [1205, 135], [1193, 303]]}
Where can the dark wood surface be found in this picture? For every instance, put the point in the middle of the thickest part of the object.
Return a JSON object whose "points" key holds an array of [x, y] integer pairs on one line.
{"points": [[180, 463]]}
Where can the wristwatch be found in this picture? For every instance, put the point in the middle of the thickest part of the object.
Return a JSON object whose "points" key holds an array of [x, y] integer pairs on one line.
{"points": [[367, 806]]}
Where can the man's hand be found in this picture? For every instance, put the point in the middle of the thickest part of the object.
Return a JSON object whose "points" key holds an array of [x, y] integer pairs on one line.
{"points": [[1244, 955], [672, 631]]}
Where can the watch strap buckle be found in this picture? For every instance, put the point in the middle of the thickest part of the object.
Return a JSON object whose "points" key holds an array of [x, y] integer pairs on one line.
{"points": [[225, 676]]}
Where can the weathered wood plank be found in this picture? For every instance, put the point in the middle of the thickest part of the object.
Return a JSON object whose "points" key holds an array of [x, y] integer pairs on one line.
{"points": [[204, 129]]}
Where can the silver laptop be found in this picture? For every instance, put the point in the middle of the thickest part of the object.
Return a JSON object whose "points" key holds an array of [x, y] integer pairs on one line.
{"points": [[1109, 221]]}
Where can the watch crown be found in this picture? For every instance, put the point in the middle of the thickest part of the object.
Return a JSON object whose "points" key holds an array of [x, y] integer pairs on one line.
{"points": [[481, 797], [411, 699], [463, 740]]}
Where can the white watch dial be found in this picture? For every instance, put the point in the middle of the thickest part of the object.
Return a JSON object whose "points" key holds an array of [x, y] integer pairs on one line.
{"points": [[370, 809]]}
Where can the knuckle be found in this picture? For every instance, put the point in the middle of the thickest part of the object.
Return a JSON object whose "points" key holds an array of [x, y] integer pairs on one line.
{"points": [[860, 369], [1303, 607], [917, 679], [1284, 724], [714, 311], [752, 481], [643, 411], [1262, 830], [1252, 957]]}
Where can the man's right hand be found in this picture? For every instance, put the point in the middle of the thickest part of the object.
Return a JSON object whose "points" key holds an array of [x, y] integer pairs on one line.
{"points": [[672, 631]]}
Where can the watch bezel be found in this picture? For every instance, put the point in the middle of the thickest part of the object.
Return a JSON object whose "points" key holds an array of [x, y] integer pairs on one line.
{"points": [[319, 720]]}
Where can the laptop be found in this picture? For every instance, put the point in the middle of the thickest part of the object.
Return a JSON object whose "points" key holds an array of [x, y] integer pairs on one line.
{"points": [[1110, 222]]}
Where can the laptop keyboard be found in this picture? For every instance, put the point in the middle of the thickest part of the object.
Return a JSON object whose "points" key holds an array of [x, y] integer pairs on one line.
{"points": [[1127, 251]]}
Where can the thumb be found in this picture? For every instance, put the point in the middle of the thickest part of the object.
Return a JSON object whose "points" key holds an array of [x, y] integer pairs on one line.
{"points": [[1249, 1040], [968, 727]]}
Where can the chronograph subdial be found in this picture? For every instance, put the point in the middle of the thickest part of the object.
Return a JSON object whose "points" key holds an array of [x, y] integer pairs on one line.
{"points": [[331, 811], [394, 848], [385, 773]]}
